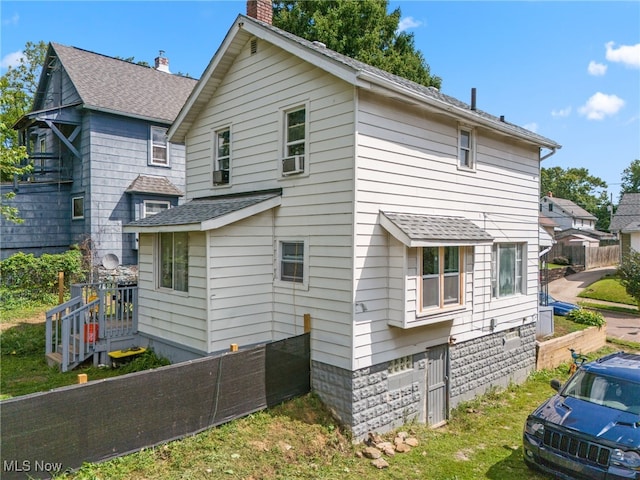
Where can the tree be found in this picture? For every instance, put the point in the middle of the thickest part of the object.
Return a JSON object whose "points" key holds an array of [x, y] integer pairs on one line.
{"points": [[360, 29], [631, 178], [17, 90], [629, 274], [583, 189]]}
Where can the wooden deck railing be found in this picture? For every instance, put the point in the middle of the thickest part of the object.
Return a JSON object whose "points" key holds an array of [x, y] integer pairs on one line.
{"points": [[83, 326]]}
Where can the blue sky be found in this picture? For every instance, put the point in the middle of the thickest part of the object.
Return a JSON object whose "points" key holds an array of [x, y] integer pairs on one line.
{"points": [[567, 70]]}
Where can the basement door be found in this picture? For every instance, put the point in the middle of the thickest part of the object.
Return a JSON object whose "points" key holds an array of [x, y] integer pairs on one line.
{"points": [[437, 385]]}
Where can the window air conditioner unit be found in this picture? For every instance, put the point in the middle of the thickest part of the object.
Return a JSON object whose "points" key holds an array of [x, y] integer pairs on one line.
{"points": [[293, 165], [220, 177]]}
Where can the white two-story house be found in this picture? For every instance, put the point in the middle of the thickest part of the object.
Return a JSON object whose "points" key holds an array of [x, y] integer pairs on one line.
{"points": [[402, 221]]}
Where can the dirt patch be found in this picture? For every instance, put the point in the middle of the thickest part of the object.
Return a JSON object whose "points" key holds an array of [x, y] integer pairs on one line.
{"points": [[7, 324]]}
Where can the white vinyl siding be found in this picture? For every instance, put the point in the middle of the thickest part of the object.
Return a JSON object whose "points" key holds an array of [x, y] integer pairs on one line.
{"points": [[318, 204], [408, 162], [173, 316]]}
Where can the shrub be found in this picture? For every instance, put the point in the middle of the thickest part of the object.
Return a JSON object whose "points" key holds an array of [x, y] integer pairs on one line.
{"points": [[28, 277], [561, 261], [586, 317]]}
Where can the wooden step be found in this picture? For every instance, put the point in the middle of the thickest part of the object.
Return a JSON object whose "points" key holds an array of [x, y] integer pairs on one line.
{"points": [[54, 359]]}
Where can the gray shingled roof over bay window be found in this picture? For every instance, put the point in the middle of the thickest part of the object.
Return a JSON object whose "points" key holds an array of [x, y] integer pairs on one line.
{"points": [[207, 213], [416, 230], [627, 216], [353, 71], [111, 85], [154, 185]]}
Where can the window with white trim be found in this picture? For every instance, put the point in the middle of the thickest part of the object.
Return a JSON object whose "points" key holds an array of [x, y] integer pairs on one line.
{"points": [[173, 261], [441, 273], [152, 207], [466, 148], [295, 141], [159, 147], [222, 156], [292, 266], [507, 269], [77, 208]]}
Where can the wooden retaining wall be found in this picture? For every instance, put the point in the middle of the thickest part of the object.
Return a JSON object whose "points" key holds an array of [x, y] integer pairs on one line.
{"points": [[551, 353]]}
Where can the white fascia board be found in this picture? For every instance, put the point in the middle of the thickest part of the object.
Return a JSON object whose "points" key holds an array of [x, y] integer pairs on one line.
{"points": [[238, 215]]}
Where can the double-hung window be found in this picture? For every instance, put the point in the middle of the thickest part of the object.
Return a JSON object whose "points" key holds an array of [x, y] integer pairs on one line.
{"points": [[466, 148], [159, 147], [295, 140], [441, 271], [174, 261], [292, 262], [77, 208], [152, 207], [222, 154], [507, 269]]}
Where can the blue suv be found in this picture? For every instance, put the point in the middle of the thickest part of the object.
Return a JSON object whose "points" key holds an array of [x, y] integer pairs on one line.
{"points": [[589, 430]]}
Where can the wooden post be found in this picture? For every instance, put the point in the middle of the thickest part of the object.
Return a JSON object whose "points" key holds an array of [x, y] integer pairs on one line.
{"points": [[60, 287], [234, 347], [307, 322], [82, 378]]}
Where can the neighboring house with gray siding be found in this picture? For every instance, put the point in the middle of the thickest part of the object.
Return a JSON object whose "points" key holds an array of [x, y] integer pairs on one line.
{"points": [[401, 221], [96, 137], [626, 223]]}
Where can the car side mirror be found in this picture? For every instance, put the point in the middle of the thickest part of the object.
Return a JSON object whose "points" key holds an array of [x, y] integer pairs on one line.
{"points": [[556, 384]]}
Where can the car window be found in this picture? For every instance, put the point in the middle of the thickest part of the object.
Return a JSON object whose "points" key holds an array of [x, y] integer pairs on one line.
{"points": [[602, 390]]}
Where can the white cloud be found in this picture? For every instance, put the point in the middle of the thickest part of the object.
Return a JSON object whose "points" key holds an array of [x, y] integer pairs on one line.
{"points": [[563, 112], [408, 22], [11, 59], [533, 126], [601, 105], [596, 69], [629, 55], [13, 20]]}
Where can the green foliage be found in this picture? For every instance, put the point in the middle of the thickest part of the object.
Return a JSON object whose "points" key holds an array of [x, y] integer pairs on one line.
{"points": [[144, 361], [23, 340], [582, 188], [629, 273], [26, 276], [586, 317], [17, 89], [360, 29], [631, 178]]}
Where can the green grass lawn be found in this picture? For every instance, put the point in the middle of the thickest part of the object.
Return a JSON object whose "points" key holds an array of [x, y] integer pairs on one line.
{"points": [[608, 289]]}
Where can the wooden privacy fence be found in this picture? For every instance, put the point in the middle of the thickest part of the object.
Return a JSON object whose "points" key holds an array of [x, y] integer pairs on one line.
{"points": [[50, 432], [590, 257]]}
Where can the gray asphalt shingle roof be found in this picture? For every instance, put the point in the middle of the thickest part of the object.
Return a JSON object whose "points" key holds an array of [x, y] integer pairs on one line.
{"points": [[202, 209], [107, 83], [154, 185], [434, 227], [571, 208], [627, 216]]}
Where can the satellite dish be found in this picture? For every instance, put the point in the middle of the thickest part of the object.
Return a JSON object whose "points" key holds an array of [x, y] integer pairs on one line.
{"points": [[110, 261]]}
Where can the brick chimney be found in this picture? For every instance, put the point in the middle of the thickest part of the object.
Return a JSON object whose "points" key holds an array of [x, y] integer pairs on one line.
{"points": [[162, 63], [260, 10]]}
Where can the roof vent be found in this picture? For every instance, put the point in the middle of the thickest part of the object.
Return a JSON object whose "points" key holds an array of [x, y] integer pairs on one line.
{"points": [[254, 46]]}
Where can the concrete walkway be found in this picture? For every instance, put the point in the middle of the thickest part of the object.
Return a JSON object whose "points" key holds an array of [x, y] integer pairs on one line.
{"points": [[619, 325]]}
